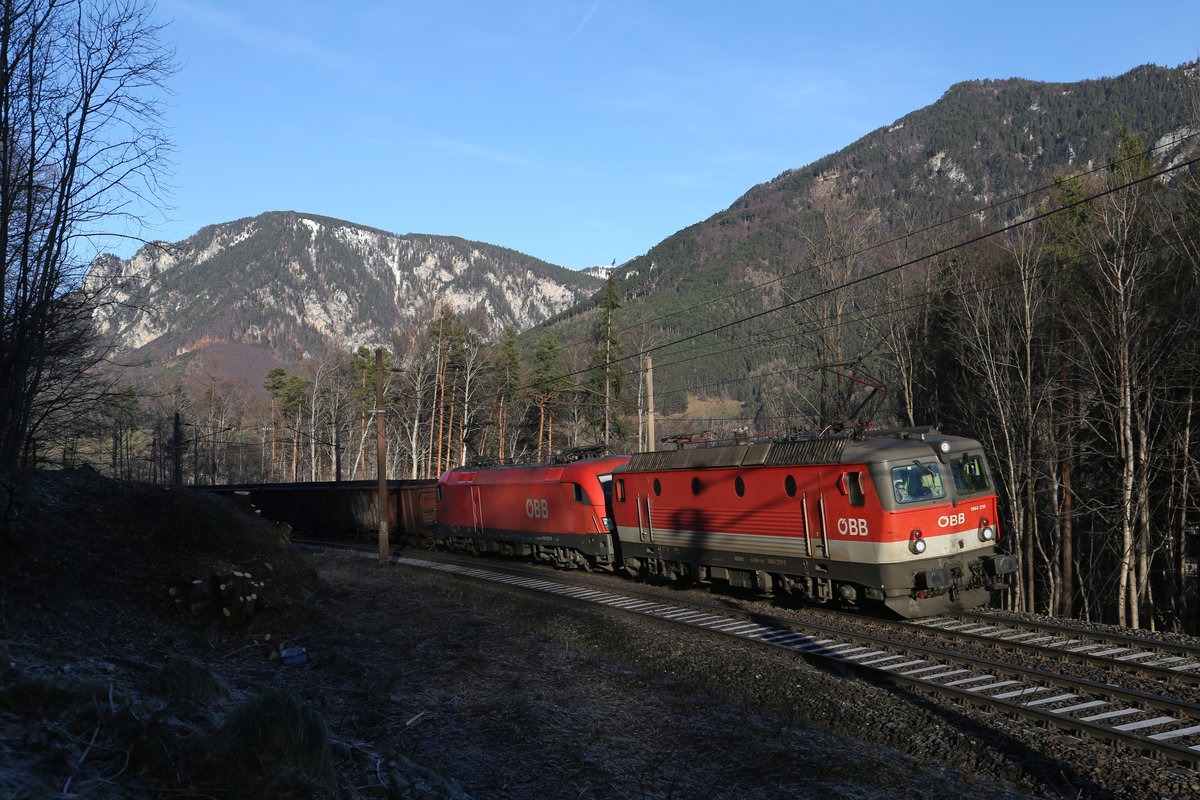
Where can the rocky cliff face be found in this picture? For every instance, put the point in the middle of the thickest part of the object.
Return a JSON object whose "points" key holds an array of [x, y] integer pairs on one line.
{"points": [[288, 282]]}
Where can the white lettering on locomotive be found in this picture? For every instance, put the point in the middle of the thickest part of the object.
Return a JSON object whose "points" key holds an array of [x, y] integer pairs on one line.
{"points": [[946, 520], [537, 509], [852, 527]]}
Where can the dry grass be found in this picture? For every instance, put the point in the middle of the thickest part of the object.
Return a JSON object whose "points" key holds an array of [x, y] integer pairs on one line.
{"points": [[275, 742]]}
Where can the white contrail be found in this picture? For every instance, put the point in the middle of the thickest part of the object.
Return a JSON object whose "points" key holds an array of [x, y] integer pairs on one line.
{"points": [[586, 18]]}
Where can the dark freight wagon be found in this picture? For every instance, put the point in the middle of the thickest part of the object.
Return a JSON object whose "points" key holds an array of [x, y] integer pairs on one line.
{"points": [[345, 509]]}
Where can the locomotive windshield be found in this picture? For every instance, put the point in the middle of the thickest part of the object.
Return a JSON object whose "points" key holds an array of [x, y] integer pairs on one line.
{"points": [[606, 486], [970, 474], [917, 482]]}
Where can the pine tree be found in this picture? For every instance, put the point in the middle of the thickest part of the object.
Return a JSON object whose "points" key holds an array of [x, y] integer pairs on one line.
{"points": [[508, 377], [607, 379]]}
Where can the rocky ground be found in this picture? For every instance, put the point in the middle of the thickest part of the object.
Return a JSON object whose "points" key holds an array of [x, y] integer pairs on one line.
{"points": [[169, 644]]}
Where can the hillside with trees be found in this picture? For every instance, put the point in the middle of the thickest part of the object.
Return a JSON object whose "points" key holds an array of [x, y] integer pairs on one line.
{"points": [[977, 159]]}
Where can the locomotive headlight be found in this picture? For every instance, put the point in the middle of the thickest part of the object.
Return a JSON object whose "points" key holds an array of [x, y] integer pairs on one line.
{"points": [[987, 533], [608, 524], [916, 542], [944, 447]]}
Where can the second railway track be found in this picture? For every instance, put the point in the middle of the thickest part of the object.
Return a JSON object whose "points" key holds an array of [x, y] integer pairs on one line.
{"points": [[1138, 654]]}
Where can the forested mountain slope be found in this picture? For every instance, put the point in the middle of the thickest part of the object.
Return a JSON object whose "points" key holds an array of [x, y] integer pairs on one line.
{"points": [[982, 144]]}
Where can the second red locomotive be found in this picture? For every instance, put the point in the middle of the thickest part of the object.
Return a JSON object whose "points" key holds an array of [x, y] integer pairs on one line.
{"points": [[560, 513]]}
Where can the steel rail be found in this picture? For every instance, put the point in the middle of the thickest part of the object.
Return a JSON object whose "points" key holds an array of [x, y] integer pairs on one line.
{"points": [[1122, 651]]}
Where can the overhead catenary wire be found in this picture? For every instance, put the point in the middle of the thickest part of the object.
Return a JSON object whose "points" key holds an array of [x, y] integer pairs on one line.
{"points": [[1045, 188]]}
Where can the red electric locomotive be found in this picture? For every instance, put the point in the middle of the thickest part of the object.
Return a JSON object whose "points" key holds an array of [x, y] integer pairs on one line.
{"points": [[903, 518], [560, 513]]}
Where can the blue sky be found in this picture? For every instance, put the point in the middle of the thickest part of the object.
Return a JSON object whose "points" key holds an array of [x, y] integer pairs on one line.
{"points": [[580, 131]]}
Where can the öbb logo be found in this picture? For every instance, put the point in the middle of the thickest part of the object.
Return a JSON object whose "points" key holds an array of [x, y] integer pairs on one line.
{"points": [[852, 527], [537, 509]]}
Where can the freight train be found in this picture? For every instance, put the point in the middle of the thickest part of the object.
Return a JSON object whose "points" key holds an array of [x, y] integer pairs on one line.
{"points": [[902, 519]]}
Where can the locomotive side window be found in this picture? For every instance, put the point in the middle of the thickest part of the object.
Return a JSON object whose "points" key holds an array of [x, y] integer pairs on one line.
{"points": [[917, 482], [439, 494], [695, 486], [657, 488], [854, 490], [789, 485], [620, 490], [970, 474], [739, 486], [581, 495]]}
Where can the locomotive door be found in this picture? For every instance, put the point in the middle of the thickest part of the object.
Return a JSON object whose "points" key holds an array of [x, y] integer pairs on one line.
{"points": [[646, 520], [824, 529], [476, 510], [816, 533], [805, 527]]}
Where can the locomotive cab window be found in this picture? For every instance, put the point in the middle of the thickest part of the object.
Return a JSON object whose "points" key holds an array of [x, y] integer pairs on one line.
{"points": [[581, 495], [970, 474], [917, 482]]}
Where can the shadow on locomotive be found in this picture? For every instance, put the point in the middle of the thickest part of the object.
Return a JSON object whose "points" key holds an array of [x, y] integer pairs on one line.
{"points": [[901, 519]]}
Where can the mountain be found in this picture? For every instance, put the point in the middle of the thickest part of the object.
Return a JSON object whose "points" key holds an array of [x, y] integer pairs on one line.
{"points": [[601, 271], [268, 288], [983, 142]]}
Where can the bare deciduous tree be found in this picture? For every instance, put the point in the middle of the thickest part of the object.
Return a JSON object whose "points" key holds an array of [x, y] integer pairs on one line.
{"points": [[998, 315], [418, 377], [81, 149], [1115, 318]]}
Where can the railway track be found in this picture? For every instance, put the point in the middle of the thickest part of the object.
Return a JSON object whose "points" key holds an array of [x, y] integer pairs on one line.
{"points": [[1159, 725], [1137, 654], [1149, 660], [1154, 723]]}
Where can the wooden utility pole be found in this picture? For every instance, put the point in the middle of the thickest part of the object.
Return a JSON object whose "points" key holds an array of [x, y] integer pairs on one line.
{"points": [[500, 427], [362, 432], [607, 389], [177, 454], [296, 442], [441, 415], [273, 436], [381, 504], [337, 453], [649, 403]]}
